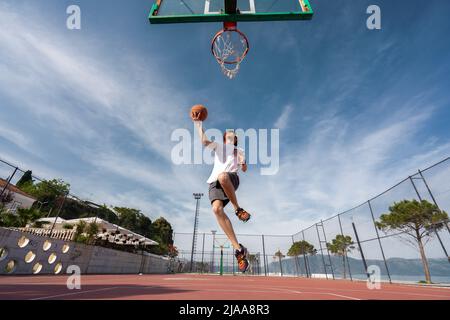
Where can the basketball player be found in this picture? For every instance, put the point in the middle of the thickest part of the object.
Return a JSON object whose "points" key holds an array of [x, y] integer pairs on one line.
{"points": [[223, 183]]}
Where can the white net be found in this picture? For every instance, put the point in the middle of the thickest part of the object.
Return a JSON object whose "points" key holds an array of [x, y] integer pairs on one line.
{"points": [[230, 48]]}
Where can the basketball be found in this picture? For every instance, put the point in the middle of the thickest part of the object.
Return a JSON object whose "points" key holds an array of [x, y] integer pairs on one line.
{"points": [[199, 112]]}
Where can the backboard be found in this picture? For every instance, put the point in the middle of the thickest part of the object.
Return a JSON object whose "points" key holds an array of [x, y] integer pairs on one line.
{"points": [[184, 11], [221, 243]]}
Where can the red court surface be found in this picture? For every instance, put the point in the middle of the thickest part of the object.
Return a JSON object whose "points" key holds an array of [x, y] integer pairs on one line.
{"points": [[207, 287]]}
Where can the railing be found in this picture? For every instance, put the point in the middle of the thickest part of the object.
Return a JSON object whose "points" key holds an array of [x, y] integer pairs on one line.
{"points": [[66, 235]]}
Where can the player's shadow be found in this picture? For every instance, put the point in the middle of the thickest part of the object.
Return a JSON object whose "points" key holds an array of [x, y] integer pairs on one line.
{"points": [[87, 292]]}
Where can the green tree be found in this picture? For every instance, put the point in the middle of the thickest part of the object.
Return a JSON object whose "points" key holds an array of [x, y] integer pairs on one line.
{"points": [[48, 192], [417, 221], [340, 246], [279, 255], [300, 248], [25, 180], [107, 214], [91, 231], [20, 218], [163, 234], [80, 229]]}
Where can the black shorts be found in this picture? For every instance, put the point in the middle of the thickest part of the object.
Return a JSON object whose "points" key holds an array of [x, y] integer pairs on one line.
{"points": [[216, 192]]}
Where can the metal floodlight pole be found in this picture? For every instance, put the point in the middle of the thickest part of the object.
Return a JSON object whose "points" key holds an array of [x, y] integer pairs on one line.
{"points": [[197, 197]]}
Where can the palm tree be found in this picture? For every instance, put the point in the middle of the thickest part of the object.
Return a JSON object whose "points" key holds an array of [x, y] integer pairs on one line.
{"points": [[21, 218], [280, 256]]}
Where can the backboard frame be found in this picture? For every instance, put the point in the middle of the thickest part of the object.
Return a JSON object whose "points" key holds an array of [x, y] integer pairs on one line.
{"points": [[245, 16]]}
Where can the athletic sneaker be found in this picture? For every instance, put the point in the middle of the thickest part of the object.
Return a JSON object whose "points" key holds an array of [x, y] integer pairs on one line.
{"points": [[241, 256], [242, 215]]}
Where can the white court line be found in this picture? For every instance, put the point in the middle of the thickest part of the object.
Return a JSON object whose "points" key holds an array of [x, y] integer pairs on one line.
{"points": [[186, 279], [74, 293], [333, 294], [341, 296], [383, 291]]}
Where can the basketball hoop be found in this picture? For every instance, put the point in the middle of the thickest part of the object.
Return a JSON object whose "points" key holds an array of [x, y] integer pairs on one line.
{"points": [[230, 46]]}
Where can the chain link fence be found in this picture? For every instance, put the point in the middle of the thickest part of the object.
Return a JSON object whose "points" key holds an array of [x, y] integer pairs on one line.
{"points": [[393, 252]]}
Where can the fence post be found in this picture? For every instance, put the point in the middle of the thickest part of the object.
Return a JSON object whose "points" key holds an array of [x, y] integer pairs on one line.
{"points": [[346, 257], [57, 215], [428, 188], [379, 241], [233, 261], [434, 229], [264, 256], [295, 259], [307, 268], [8, 181], [213, 252], [432, 197], [360, 250], [203, 251]]}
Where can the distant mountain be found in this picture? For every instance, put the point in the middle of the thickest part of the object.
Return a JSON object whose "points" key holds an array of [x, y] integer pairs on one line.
{"points": [[396, 266]]}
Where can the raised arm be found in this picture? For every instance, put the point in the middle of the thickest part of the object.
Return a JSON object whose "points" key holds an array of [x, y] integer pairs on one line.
{"points": [[201, 133]]}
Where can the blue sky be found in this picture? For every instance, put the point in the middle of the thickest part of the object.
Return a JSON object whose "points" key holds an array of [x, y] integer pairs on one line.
{"points": [[358, 110]]}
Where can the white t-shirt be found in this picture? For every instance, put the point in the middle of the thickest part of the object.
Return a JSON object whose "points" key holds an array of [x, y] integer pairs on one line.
{"points": [[225, 159]]}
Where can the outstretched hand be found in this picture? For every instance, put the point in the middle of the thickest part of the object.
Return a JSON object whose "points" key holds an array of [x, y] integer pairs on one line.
{"points": [[195, 116]]}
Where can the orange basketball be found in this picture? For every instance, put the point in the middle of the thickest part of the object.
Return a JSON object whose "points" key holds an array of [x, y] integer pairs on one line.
{"points": [[199, 112]]}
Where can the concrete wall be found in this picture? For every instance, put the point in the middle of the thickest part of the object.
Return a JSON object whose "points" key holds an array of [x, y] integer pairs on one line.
{"points": [[90, 259]]}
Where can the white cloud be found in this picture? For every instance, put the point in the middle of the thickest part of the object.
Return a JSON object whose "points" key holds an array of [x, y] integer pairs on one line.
{"points": [[14, 136], [283, 119]]}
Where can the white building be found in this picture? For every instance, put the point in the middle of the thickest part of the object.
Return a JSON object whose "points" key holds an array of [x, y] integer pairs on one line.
{"points": [[19, 199]]}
